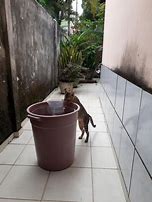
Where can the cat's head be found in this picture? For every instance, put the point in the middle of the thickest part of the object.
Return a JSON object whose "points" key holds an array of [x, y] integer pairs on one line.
{"points": [[69, 96]]}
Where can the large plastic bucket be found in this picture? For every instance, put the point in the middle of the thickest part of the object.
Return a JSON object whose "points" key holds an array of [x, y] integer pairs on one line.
{"points": [[54, 131]]}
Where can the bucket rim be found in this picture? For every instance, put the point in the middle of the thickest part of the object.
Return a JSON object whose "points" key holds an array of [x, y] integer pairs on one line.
{"points": [[51, 116]]}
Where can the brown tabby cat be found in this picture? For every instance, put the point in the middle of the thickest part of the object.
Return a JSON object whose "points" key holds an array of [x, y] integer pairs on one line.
{"points": [[83, 116]]}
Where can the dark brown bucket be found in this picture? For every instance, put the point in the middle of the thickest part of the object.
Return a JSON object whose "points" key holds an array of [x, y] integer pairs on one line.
{"points": [[54, 131]]}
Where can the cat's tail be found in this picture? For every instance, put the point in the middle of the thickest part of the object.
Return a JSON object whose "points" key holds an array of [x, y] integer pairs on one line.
{"points": [[91, 120]]}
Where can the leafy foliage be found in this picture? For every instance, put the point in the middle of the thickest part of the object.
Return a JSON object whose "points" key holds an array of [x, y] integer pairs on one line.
{"points": [[59, 9], [89, 36], [91, 8], [70, 61], [87, 41]]}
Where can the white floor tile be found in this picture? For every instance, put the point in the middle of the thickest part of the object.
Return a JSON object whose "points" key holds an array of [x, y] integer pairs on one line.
{"points": [[93, 104], [23, 138], [95, 110], [82, 157], [59, 201], [4, 169], [98, 118], [81, 142], [27, 126], [93, 135], [103, 157], [10, 153], [28, 156], [99, 139], [24, 182], [107, 186], [16, 200], [72, 184], [31, 141], [100, 126]]}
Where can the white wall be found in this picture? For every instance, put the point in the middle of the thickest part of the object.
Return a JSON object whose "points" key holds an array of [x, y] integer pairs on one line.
{"points": [[128, 39]]}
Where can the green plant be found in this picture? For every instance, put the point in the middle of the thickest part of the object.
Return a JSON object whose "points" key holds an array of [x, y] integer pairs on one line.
{"points": [[89, 35], [70, 62], [59, 9], [89, 42]]}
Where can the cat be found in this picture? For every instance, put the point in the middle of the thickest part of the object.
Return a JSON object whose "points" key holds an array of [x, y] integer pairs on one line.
{"points": [[83, 116]]}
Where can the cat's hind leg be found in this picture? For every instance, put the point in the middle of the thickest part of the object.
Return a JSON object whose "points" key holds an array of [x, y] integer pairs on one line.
{"points": [[81, 126], [82, 134], [87, 132]]}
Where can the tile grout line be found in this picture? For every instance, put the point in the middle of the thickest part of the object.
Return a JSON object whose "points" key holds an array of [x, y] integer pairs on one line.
{"points": [[14, 143], [28, 143], [30, 165], [21, 165], [92, 171], [45, 186], [20, 199], [56, 201], [12, 166], [92, 163], [20, 154], [94, 146], [26, 129], [6, 174]]}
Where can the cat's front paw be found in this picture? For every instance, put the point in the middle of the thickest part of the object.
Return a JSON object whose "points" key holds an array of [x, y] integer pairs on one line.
{"points": [[80, 138]]}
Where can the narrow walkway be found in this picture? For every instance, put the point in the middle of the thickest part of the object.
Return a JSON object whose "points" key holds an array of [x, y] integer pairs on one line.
{"points": [[93, 177]]}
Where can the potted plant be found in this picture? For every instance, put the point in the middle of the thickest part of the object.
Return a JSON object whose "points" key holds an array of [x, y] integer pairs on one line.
{"points": [[70, 61]]}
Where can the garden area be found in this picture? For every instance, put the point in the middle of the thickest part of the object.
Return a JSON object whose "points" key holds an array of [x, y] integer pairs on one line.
{"points": [[81, 43]]}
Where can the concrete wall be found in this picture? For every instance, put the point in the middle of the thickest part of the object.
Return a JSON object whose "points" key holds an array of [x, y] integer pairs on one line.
{"points": [[29, 47], [7, 110], [127, 40], [34, 38]]}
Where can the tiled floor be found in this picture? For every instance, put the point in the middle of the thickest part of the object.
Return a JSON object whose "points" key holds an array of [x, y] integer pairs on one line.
{"points": [[93, 177]]}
